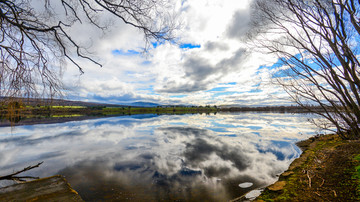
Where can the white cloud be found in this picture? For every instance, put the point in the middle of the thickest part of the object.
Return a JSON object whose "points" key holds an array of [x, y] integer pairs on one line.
{"points": [[170, 74]]}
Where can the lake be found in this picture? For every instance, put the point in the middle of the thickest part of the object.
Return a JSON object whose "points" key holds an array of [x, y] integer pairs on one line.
{"points": [[192, 157]]}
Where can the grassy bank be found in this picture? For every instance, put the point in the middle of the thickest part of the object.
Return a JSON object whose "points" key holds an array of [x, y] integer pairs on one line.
{"points": [[158, 110], [328, 170], [58, 110], [25, 115]]}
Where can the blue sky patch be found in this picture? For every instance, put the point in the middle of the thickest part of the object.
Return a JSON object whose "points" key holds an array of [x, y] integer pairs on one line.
{"points": [[178, 123], [256, 91], [233, 135], [156, 44], [254, 127], [150, 88], [277, 64], [300, 62], [146, 62], [189, 46], [256, 133], [217, 89], [129, 72], [219, 125], [178, 96], [219, 130], [117, 52]]}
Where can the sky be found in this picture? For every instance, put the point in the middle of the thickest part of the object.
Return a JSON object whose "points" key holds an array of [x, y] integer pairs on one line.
{"points": [[209, 64]]}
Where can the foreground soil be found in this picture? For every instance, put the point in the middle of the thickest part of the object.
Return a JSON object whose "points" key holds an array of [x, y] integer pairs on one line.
{"points": [[328, 170]]}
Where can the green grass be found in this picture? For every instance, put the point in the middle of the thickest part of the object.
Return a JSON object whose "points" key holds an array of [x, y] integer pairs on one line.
{"points": [[68, 107], [356, 174], [66, 115]]}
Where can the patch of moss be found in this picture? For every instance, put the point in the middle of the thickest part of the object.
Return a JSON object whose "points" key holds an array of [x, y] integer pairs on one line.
{"points": [[356, 175], [323, 172], [289, 191]]}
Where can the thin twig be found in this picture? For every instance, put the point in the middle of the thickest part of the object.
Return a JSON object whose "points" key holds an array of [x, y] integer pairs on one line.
{"points": [[13, 177], [334, 193], [307, 173]]}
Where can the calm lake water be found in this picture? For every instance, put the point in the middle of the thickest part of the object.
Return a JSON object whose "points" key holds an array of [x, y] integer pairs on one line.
{"points": [[160, 158]]}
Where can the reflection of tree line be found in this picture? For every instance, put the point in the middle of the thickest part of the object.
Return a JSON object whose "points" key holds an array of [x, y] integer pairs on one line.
{"points": [[19, 110], [14, 111], [18, 107], [289, 109]]}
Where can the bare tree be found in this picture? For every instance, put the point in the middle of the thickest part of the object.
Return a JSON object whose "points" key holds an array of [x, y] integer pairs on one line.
{"points": [[35, 38], [317, 41]]}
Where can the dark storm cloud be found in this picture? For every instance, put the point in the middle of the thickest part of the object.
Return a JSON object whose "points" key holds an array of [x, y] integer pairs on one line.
{"points": [[137, 176], [141, 175], [201, 150], [199, 69], [203, 145], [213, 171], [172, 132], [239, 25], [53, 154], [189, 87], [123, 166], [200, 74], [198, 151], [228, 65], [257, 21], [212, 46]]}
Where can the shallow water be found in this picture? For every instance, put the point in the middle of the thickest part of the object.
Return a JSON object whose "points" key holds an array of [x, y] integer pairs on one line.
{"points": [[160, 158]]}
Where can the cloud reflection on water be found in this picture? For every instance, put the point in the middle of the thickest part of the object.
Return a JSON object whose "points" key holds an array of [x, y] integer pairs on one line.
{"points": [[159, 157]]}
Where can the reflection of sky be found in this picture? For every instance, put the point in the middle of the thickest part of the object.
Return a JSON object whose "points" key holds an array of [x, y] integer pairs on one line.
{"points": [[159, 157]]}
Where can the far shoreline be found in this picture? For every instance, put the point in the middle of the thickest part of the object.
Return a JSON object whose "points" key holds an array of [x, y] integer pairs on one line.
{"points": [[62, 115]]}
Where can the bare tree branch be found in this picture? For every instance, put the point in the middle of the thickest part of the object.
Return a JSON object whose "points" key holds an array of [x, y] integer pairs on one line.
{"points": [[35, 44], [318, 42], [13, 176]]}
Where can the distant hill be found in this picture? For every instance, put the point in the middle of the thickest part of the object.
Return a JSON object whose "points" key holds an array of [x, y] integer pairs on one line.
{"points": [[35, 101], [143, 104]]}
